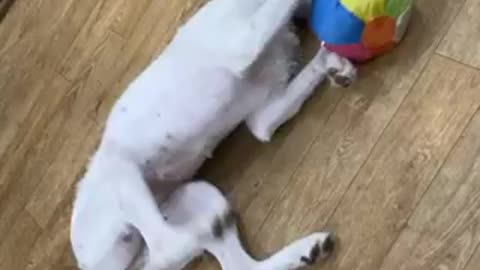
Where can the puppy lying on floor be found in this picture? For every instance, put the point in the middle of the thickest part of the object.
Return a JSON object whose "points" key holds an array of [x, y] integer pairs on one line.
{"points": [[231, 63]]}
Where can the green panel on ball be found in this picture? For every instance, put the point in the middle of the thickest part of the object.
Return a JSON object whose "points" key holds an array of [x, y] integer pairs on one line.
{"points": [[395, 8]]}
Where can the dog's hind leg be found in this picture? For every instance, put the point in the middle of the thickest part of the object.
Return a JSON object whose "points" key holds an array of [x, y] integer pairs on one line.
{"points": [[196, 207], [168, 245], [256, 32], [304, 252], [200, 208]]}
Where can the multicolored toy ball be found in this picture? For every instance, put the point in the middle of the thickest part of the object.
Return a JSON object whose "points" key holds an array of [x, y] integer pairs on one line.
{"points": [[361, 29]]}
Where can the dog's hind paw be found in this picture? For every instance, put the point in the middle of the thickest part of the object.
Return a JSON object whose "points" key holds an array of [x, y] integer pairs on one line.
{"points": [[311, 249], [323, 246]]}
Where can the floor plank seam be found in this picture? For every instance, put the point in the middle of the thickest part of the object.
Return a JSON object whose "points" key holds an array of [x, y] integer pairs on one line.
{"points": [[77, 36], [467, 263], [24, 206], [57, 66], [56, 72], [15, 218], [20, 140], [447, 30], [42, 178], [449, 58], [32, 217]]}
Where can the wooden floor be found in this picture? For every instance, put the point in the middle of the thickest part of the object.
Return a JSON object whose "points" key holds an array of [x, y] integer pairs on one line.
{"points": [[391, 164]]}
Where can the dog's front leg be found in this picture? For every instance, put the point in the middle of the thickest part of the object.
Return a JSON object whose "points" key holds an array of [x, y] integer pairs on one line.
{"points": [[280, 108]]}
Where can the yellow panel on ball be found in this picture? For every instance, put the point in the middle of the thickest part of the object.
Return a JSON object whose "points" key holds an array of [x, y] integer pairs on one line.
{"points": [[366, 10]]}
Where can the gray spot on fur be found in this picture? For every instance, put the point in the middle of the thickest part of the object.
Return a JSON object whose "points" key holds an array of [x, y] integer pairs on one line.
{"points": [[217, 228], [223, 223], [127, 237]]}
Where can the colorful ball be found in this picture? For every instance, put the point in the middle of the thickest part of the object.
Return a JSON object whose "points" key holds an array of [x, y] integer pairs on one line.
{"points": [[361, 29]]}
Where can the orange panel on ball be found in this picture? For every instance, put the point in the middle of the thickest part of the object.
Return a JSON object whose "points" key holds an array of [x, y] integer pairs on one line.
{"points": [[383, 49], [379, 33]]}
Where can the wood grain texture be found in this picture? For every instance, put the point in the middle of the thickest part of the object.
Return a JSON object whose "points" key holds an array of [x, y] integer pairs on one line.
{"points": [[475, 261], [462, 42], [27, 158], [91, 39], [73, 137], [128, 16], [391, 164], [345, 142], [49, 248], [404, 162], [18, 242], [444, 229]]}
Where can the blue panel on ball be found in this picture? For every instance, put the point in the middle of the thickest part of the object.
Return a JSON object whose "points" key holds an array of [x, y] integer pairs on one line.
{"points": [[334, 24]]}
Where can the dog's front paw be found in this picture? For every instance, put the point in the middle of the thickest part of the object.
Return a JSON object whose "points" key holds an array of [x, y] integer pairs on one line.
{"points": [[340, 71], [341, 79]]}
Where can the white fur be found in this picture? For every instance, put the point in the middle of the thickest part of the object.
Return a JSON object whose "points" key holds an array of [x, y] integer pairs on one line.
{"points": [[231, 63]]}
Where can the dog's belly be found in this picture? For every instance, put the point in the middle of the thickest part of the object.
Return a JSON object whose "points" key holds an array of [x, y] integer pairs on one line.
{"points": [[180, 167], [172, 117]]}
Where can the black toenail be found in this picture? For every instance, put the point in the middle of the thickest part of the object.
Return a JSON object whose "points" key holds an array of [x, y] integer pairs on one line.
{"points": [[329, 245], [332, 71], [314, 253], [312, 258], [343, 81]]}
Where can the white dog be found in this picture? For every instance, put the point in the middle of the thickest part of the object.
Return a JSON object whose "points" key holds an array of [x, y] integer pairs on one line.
{"points": [[231, 63]]}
